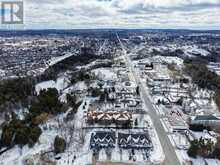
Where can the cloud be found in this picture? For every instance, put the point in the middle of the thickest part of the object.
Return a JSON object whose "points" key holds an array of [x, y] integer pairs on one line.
{"points": [[143, 6], [122, 13]]}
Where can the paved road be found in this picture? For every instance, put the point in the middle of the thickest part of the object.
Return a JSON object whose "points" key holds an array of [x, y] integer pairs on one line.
{"points": [[169, 151]]}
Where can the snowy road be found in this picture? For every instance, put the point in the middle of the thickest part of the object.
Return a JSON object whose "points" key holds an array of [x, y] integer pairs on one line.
{"points": [[170, 154]]}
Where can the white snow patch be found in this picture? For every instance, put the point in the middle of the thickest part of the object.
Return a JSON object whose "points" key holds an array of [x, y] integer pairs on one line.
{"points": [[60, 84]]}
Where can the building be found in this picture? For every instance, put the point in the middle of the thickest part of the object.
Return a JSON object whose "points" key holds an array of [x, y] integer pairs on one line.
{"points": [[134, 141], [206, 120], [109, 117], [102, 139]]}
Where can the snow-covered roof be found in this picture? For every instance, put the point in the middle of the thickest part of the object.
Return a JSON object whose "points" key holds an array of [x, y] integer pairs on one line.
{"points": [[102, 139], [206, 117], [108, 116], [134, 141]]}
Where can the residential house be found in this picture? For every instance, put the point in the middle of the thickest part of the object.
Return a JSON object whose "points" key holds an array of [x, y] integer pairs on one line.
{"points": [[134, 141], [109, 117], [206, 120], [102, 139]]}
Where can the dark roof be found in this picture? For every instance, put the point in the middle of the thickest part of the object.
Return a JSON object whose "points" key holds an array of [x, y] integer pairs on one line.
{"points": [[206, 117], [134, 141], [102, 139]]}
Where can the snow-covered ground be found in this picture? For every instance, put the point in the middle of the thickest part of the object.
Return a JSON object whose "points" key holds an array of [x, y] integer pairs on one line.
{"points": [[2, 73], [84, 154], [193, 50], [78, 152], [168, 59], [79, 86], [54, 126], [60, 84], [81, 154], [105, 74], [17, 155], [204, 135], [183, 156]]}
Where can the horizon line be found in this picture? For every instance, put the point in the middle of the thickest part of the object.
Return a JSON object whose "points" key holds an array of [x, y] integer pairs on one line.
{"points": [[174, 29]]}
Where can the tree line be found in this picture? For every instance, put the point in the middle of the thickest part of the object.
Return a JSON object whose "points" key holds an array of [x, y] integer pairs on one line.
{"points": [[204, 78]]}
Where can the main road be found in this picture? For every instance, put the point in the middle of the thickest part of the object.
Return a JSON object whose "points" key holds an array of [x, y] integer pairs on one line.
{"points": [[169, 151]]}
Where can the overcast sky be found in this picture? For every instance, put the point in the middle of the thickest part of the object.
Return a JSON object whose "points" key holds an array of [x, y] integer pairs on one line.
{"points": [[188, 14]]}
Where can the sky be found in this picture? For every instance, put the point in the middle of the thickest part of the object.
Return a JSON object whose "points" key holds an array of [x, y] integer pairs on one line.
{"points": [[152, 14]]}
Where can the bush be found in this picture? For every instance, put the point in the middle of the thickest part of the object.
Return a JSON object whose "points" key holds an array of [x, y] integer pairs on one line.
{"points": [[201, 147], [96, 92], [40, 118], [192, 152], [180, 102], [21, 135], [34, 135], [138, 90], [216, 153], [102, 97], [7, 135], [71, 100], [59, 145], [217, 98], [80, 76]]}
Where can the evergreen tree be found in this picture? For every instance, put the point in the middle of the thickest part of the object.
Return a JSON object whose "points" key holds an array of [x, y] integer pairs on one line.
{"points": [[59, 145]]}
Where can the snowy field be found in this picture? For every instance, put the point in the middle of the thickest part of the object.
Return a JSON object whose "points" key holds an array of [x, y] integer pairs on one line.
{"points": [[105, 74], [60, 84]]}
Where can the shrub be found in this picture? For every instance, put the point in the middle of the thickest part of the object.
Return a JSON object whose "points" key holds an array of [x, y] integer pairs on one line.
{"points": [[201, 147], [96, 92], [34, 135], [59, 145], [217, 98], [40, 118], [216, 152], [71, 100], [7, 135], [21, 135], [192, 152]]}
